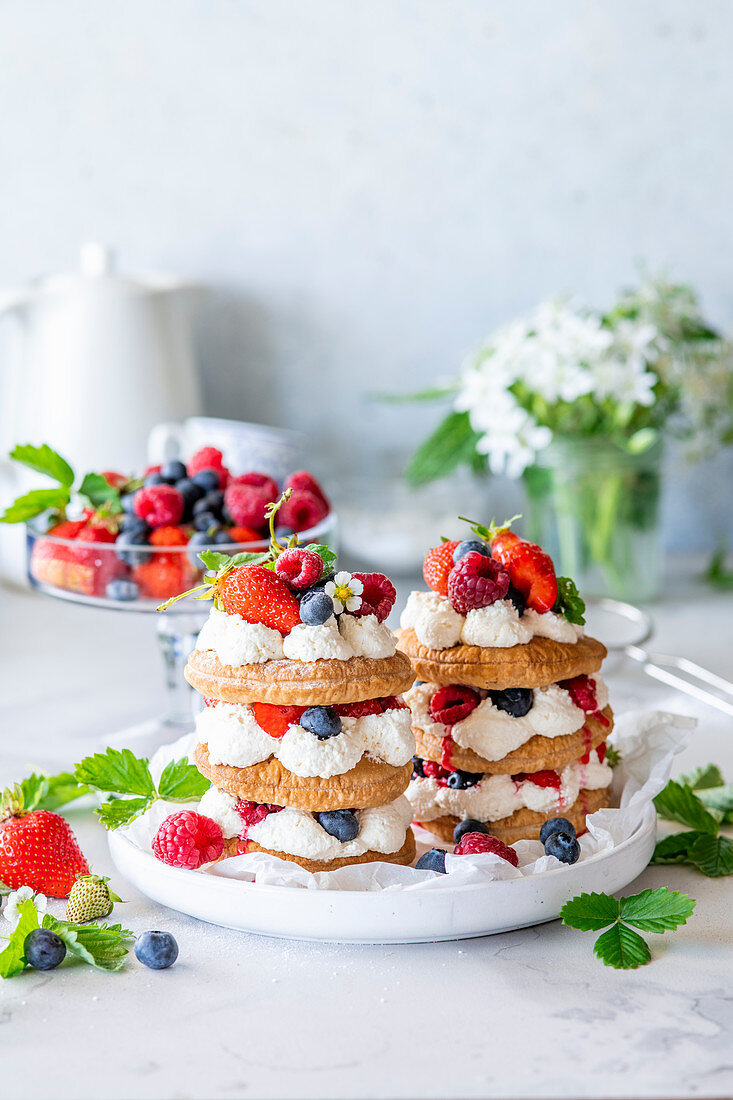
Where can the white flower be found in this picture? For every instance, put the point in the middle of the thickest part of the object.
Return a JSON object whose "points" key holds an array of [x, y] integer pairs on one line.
{"points": [[16, 898], [345, 591]]}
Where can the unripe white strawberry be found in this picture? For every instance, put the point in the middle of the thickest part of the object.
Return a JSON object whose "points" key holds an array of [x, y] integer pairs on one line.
{"points": [[90, 898]]}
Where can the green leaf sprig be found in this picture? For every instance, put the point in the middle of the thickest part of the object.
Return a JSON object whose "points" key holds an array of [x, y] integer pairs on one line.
{"points": [[94, 490], [127, 780], [702, 802], [103, 946], [621, 947], [41, 792]]}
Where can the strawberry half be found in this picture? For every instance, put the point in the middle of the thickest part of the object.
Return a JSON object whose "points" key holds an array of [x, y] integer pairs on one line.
{"points": [[530, 569], [274, 719], [437, 565], [259, 596], [38, 849]]}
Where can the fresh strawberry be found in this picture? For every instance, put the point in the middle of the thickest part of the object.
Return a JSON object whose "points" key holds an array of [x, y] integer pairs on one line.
{"points": [[98, 532], [302, 479], [259, 481], [530, 569], [90, 899], [164, 575], [37, 849], [168, 536], [302, 510], [259, 596], [378, 596], [115, 480], [437, 565], [244, 535], [274, 719], [69, 529], [359, 710]]}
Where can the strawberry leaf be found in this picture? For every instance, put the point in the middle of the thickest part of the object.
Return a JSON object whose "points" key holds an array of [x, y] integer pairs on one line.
{"points": [[713, 855], [62, 789], [675, 848], [613, 756], [679, 803], [121, 811], [658, 910], [590, 912], [718, 800], [103, 946], [34, 503], [100, 494], [182, 782], [12, 959], [325, 553], [701, 779], [118, 771], [44, 460], [622, 948]]}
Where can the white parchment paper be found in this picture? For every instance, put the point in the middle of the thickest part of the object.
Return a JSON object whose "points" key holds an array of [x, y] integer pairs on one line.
{"points": [[647, 741]]}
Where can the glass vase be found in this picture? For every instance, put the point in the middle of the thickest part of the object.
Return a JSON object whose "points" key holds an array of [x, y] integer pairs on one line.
{"points": [[596, 509]]}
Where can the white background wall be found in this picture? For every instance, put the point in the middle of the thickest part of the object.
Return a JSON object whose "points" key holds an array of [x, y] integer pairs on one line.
{"points": [[369, 187]]}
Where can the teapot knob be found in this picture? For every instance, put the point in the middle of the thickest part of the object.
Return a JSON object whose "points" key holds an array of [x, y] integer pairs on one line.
{"points": [[96, 259]]}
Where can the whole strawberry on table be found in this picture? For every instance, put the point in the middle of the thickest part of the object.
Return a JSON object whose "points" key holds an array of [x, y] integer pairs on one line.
{"points": [[122, 538]]}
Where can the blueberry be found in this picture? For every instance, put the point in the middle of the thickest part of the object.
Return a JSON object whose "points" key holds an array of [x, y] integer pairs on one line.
{"points": [[210, 502], [315, 607], [196, 543], [43, 949], [122, 590], [131, 523], [418, 683], [468, 825], [154, 479], [220, 537], [563, 846], [191, 493], [459, 780], [417, 767], [469, 546], [132, 557], [207, 479], [173, 471], [342, 824], [514, 701], [516, 597], [128, 502], [158, 950], [556, 825], [324, 722], [204, 521], [434, 860]]}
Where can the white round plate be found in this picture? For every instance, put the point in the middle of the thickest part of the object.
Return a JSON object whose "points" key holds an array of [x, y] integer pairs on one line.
{"points": [[387, 916]]}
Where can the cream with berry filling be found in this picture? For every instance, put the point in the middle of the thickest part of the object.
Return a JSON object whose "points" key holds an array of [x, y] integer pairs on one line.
{"points": [[438, 625], [495, 797], [234, 738], [492, 733], [237, 642], [298, 833]]}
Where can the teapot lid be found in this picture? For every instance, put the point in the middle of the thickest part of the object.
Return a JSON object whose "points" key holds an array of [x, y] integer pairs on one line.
{"points": [[98, 266]]}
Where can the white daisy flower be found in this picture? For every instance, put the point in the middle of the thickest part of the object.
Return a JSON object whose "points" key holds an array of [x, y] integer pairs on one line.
{"points": [[345, 591], [16, 899]]}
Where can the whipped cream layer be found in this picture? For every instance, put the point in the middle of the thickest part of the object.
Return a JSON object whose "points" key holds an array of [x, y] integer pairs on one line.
{"points": [[237, 642], [298, 833], [438, 626], [498, 796], [234, 737], [492, 733]]}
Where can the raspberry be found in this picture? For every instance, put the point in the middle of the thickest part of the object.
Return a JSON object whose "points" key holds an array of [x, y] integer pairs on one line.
{"points": [[252, 813], [258, 481], [159, 506], [168, 536], [452, 704], [433, 770], [299, 568], [476, 581], [207, 458], [437, 565], [473, 843], [246, 505], [301, 479], [188, 839], [244, 534], [302, 510], [378, 596]]}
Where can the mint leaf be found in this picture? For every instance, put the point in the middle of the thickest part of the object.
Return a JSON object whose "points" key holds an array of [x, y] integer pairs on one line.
{"points": [[622, 948], [709, 775], [713, 855], [719, 800], [182, 782], [325, 553], [44, 460], [33, 503], [12, 959], [121, 811], [118, 771], [590, 912], [678, 803], [100, 494], [657, 910], [674, 848], [569, 601], [104, 946]]}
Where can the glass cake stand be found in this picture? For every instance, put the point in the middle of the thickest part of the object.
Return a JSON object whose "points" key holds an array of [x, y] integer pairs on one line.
{"points": [[136, 580]]}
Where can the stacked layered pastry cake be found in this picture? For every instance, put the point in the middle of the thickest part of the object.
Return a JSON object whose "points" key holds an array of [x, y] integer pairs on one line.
{"points": [[304, 736], [509, 713]]}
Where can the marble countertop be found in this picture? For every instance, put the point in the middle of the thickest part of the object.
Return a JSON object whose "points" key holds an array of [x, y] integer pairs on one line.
{"points": [[528, 1013]]}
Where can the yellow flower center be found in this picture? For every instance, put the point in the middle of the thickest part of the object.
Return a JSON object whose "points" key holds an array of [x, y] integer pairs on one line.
{"points": [[342, 592]]}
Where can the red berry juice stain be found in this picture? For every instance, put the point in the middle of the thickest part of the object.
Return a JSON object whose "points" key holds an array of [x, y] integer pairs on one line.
{"points": [[446, 751], [252, 813]]}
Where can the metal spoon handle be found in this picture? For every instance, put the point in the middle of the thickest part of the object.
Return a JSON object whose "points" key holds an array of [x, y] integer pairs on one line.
{"points": [[658, 666]]}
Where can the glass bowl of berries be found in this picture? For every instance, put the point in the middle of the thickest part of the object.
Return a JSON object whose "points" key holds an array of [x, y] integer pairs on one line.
{"points": [[111, 541]]}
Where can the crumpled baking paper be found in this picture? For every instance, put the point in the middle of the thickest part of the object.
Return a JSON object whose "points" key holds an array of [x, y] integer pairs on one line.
{"points": [[646, 740]]}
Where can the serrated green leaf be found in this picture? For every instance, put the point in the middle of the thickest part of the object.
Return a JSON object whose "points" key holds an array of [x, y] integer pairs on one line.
{"points": [[215, 561], [569, 601], [656, 910], [121, 811], [325, 553], [33, 503], [719, 800], [103, 946], [452, 443], [709, 775], [182, 782], [713, 855], [622, 948], [674, 848], [100, 494], [62, 789], [590, 912], [12, 959], [117, 771], [679, 803], [44, 460], [34, 788]]}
